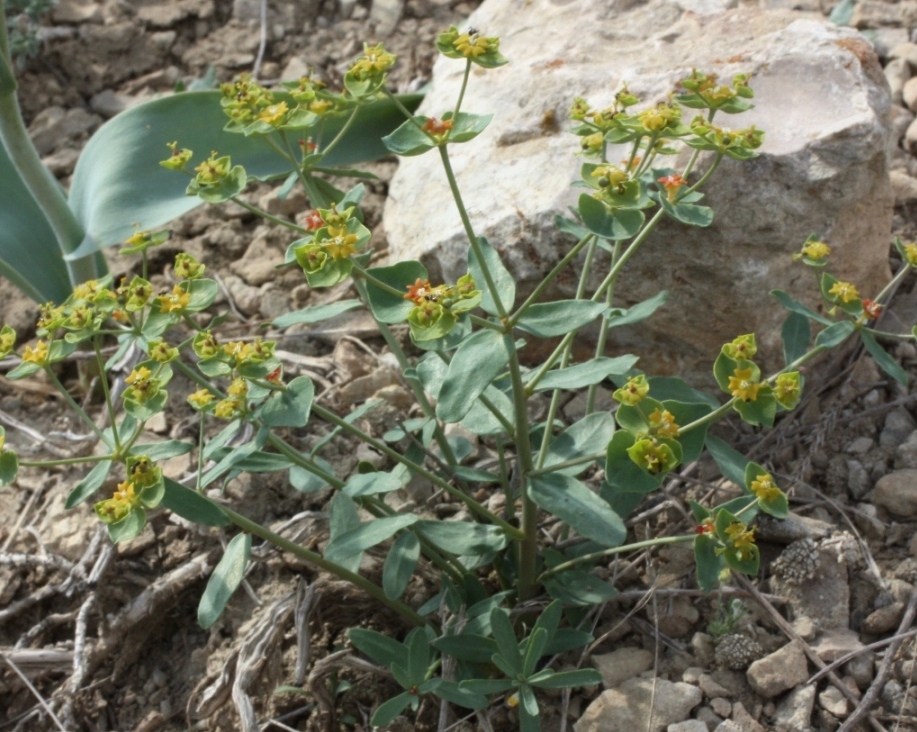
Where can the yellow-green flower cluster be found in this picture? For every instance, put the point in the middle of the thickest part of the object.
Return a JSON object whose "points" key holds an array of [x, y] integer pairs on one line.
{"points": [[739, 376], [436, 308], [471, 45], [633, 392]]}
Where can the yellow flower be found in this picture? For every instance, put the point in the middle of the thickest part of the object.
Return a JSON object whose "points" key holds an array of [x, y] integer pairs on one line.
{"points": [[844, 291], [910, 254], [320, 106], [177, 301], [38, 355], [7, 340], [764, 488], [139, 376], [201, 399], [742, 386], [341, 245], [472, 45], [786, 389], [238, 388], [162, 352], [375, 60], [117, 507], [633, 392], [2, 441], [239, 351], [662, 423], [815, 249], [274, 114], [742, 538], [187, 267], [212, 170], [228, 408], [178, 159], [742, 348]]}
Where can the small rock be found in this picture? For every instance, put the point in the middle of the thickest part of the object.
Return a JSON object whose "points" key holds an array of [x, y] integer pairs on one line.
{"points": [[712, 688], [874, 14], [805, 628], [885, 40], [746, 722], [706, 7], [689, 725], [781, 670], [728, 725], [834, 643], [898, 426], [76, 11], [294, 203], [860, 446], [897, 493], [108, 103], [867, 520], [833, 701], [62, 161], [909, 94], [708, 717], [906, 453], [295, 69], [903, 186], [794, 712], [246, 297], [622, 664], [737, 652], [721, 706], [702, 647], [897, 72], [385, 14], [627, 707], [824, 597], [884, 619], [792, 528], [858, 480], [258, 265], [361, 389], [54, 125], [275, 301], [907, 51], [862, 669]]}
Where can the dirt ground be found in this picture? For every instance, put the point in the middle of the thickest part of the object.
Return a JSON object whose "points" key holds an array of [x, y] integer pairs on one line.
{"points": [[128, 613]]}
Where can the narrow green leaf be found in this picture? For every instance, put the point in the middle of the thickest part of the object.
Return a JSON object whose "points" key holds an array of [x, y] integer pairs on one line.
{"points": [[588, 436], [888, 364], [709, 562], [835, 334], [592, 372], [345, 518], [529, 714], [476, 363], [579, 588], [89, 485], [387, 711], [399, 565], [602, 221], [623, 474], [316, 314], [534, 648], [290, 407], [505, 283], [157, 451], [796, 334], [571, 501], [380, 648], [639, 312], [226, 577], [467, 647], [732, 463], [569, 679], [387, 307], [418, 656], [307, 482], [463, 538], [453, 693], [409, 139], [191, 505], [9, 467], [793, 306], [370, 484], [365, 536], [505, 637], [486, 686], [550, 319]]}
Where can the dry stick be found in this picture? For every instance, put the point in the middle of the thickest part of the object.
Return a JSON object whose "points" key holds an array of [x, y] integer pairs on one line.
{"points": [[33, 496], [305, 604], [853, 654], [875, 688], [907, 691], [791, 633], [25, 680]]}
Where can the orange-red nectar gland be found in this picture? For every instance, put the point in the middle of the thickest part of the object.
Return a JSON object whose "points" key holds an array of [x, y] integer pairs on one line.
{"points": [[704, 528], [313, 220], [672, 184], [418, 291], [437, 128], [872, 309], [307, 146]]}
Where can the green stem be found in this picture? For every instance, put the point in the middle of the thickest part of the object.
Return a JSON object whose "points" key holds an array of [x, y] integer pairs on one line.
{"points": [[894, 282], [404, 110], [343, 131], [469, 231], [265, 215], [615, 550], [603, 330], [200, 454], [528, 546], [484, 323], [546, 281], [317, 560], [331, 417], [572, 463], [103, 379], [377, 282], [72, 403], [461, 96]]}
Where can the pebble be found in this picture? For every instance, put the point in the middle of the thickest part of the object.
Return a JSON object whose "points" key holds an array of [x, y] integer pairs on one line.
{"points": [[722, 707], [833, 701], [897, 72], [883, 620], [627, 707], [898, 424], [622, 664], [906, 453], [781, 670], [897, 493], [794, 712], [689, 725]]}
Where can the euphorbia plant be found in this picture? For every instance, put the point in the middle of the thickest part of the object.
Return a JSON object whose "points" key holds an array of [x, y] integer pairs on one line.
{"points": [[495, 563]]}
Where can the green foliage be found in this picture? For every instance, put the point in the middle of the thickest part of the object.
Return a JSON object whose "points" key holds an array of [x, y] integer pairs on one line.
{"points": [[581, 478]]}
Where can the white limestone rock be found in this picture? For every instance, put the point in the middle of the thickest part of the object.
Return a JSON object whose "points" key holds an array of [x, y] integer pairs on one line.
{"points": [[821, 98]]}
